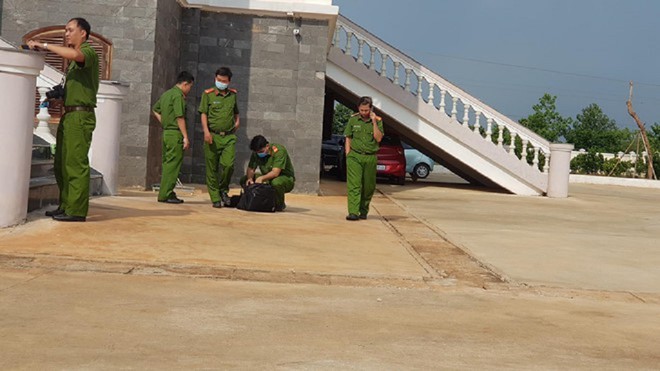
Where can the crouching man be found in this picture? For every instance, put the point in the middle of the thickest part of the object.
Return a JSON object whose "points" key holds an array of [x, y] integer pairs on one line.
{"points": [[275, 166]]}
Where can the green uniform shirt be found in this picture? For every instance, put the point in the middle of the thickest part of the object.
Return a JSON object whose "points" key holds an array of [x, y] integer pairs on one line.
{"points": [[82, 80], [279, 158], [171, 106], [361, 133], [220, 109]]}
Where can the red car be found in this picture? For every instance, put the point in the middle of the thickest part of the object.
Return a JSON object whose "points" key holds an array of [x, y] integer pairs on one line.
{"points": [[391, 159]]}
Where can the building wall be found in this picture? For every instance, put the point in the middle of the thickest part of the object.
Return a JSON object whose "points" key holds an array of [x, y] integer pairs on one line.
{"points": [[280, 80], [280, 77], [130, 25]]}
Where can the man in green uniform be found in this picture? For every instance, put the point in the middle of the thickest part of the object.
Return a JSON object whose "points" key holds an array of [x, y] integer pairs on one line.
{"points": [[363, 132], [275, 165], [170, 110], [220, 121], [74, 133]]}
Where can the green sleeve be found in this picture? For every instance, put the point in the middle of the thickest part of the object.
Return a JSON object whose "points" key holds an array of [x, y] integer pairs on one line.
{"points": [[204, 105], [279, 158], [91, 58], [348, 129], [179, 106], [379, 123], [236, 106], [157, 108], [253, 161]]}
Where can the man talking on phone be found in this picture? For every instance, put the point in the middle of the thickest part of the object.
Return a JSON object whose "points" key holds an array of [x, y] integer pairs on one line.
{"points": [[74, 132], [363, 133]]}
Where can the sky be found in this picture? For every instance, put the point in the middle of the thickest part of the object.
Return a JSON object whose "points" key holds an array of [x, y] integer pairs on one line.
{"points": [[508, 53]]}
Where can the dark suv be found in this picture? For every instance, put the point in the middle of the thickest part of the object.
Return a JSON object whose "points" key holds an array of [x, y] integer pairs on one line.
{"points": [[332, 155]]}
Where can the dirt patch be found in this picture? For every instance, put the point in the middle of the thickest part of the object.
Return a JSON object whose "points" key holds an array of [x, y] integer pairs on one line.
{"points": [[445, 259]]}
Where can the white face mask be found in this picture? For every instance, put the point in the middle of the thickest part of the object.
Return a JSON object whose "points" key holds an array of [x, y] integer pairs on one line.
{"points": [[221, 85]]}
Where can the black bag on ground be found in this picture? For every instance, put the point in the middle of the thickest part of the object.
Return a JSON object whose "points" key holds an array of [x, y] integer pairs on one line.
{"points": [[234, 200], [258, 197]]}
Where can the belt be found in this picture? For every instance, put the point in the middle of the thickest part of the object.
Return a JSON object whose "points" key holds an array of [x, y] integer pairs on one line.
{"points": [[221, 133], [68, 109], [363, 153]]}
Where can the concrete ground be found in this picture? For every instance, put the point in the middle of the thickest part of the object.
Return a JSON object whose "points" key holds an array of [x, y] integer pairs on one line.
{"points": [[441, 275]]}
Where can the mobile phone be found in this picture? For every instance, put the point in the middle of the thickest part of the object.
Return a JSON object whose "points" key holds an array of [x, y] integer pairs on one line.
{"points": [[25, 47]]}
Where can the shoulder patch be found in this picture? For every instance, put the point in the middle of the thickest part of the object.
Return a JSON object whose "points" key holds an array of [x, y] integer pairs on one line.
{"points": [[233, 90], [355, 114], [209, 90], [275, 149]]}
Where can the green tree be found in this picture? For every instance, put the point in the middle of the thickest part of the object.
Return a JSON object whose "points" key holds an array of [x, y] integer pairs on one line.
{"points": [[546, 121], [654, 137], [340, 118], [595, 131]]}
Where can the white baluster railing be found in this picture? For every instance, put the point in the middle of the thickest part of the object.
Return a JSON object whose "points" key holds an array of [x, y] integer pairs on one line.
{"points": [[42, 130], [428, 79]]}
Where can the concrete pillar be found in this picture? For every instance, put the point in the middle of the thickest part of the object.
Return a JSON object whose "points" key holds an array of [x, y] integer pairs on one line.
{"points": [[104, 152], [560, 168], [18, 81]]}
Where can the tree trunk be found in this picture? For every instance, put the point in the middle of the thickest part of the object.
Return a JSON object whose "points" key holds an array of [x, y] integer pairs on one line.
{"points": [[649, 153]]}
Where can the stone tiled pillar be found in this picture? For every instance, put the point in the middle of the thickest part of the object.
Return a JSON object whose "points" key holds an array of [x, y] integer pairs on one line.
{"points": [[104, 152], [18, 79], [560, 168]]}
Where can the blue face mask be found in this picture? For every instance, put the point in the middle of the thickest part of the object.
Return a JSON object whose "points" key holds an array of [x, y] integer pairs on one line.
{"points": [[262, 155], [221, 85]]}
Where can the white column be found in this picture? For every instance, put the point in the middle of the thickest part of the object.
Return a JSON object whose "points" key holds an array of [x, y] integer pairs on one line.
{"points": [[443, 94], [477, 125], [512, 146], [466, 112], [397, 64], [104, 152], [18, 79], [349, 40], [489, 129], [454, 111], [43, 130], [372, 58], [406, 86], [429, 99], [560, 167], [360, 50]]}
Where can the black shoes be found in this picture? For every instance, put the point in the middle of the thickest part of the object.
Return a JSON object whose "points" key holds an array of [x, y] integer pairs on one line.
{"points": [[363, 216], [68, 218], [225, 199], [217, 205], [172, 200], [352, 217], [57, 211]]}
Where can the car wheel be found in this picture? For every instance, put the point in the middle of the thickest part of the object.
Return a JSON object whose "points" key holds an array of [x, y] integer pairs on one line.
{"points": [[421, 171]]}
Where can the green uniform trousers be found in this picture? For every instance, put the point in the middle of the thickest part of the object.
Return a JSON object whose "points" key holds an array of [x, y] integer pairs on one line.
{"points": [[221, 152], [172, 160], [282, 184], [74, 137], [360, 181]]}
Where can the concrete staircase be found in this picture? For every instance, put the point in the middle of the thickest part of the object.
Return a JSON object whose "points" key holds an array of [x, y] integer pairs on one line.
{"points": [[43, 186], [483, 146]]}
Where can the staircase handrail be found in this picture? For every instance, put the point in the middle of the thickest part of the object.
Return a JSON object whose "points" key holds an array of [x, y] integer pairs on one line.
{"points": [[433, 78]]}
